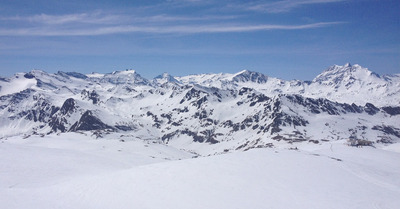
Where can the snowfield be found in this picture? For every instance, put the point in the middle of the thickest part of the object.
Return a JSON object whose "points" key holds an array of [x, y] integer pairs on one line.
{"points": [[72, 170]]}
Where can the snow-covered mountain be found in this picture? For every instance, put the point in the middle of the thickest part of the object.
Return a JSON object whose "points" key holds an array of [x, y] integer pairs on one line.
{"points": [[353, 83], [207, 113], [345, 84]]}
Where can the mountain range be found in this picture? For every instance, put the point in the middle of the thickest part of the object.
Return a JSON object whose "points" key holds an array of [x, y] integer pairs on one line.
{"points": [[205, 114]]}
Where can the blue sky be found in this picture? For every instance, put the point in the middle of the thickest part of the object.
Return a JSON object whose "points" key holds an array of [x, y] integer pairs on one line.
{"points": [[285, 38]]}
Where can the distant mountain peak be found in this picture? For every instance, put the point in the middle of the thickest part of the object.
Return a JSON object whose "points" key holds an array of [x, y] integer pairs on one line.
{"points": [[243, 72], [125, 72], [347, 65], [338, 73], [250, 76], [165, 78], [164, 75], [121, 77]]}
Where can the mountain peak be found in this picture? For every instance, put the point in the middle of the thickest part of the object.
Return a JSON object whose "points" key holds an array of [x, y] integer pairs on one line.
{"points": [[124, 77], [243, 72], [246, 76], [165, 78], [164, 75], [37, 72], [125, 72], [347, 75]]}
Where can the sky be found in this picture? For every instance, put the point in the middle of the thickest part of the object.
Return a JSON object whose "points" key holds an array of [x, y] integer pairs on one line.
{"points": [[286, 39]]}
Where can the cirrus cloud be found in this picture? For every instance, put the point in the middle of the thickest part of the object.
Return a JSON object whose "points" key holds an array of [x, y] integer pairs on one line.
{"points": [[282, 6], [95, 24]]}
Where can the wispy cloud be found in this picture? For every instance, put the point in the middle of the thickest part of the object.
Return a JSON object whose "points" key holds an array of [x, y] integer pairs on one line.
{"points": [[98, 23], [102, 18], [92, 18], [284, 5], [179, 29], [169, 18]]}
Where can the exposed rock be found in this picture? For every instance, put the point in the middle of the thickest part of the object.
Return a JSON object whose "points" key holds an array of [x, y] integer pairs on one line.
{"points": [[68, 106], [391, 110], [89, 122], [91, 96], [388, 130], [371, 109], [29, 75]]}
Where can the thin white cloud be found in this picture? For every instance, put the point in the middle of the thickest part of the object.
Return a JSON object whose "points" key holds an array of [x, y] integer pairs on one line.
{"points": [[178, 29], [99, 23], [90, 18], [169, 18], [101, 18], [284, 5]]}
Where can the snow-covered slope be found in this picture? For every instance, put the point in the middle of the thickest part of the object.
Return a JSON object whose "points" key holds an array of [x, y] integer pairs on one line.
{"points": [[77, 171], [15, 84]]}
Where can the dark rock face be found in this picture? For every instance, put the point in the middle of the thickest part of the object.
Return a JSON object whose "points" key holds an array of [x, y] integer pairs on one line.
{"points": [[247, 76], [352, 108], [41, 111], [245, 90], [391, 110], [14, 99], [58, 122], [371, 109], [192, 94], [258, 99], [68, 106], [91, 96], [207, 136], [29, 76], [199, 102], [42, 84], [316, 106], [39, 115], [320, 105], [89, 122], [72, 74], [125, 128], [390, 130]]}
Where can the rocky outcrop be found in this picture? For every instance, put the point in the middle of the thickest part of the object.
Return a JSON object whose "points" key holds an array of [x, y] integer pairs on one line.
{"points": [[89, 122]]}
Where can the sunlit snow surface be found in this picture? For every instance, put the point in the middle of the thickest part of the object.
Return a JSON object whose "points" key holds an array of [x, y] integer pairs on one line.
{"points": [[77, 171], [19, 83]]}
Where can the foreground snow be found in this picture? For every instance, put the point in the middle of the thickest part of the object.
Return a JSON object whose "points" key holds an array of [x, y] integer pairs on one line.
{"points": [[74, 171]]}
